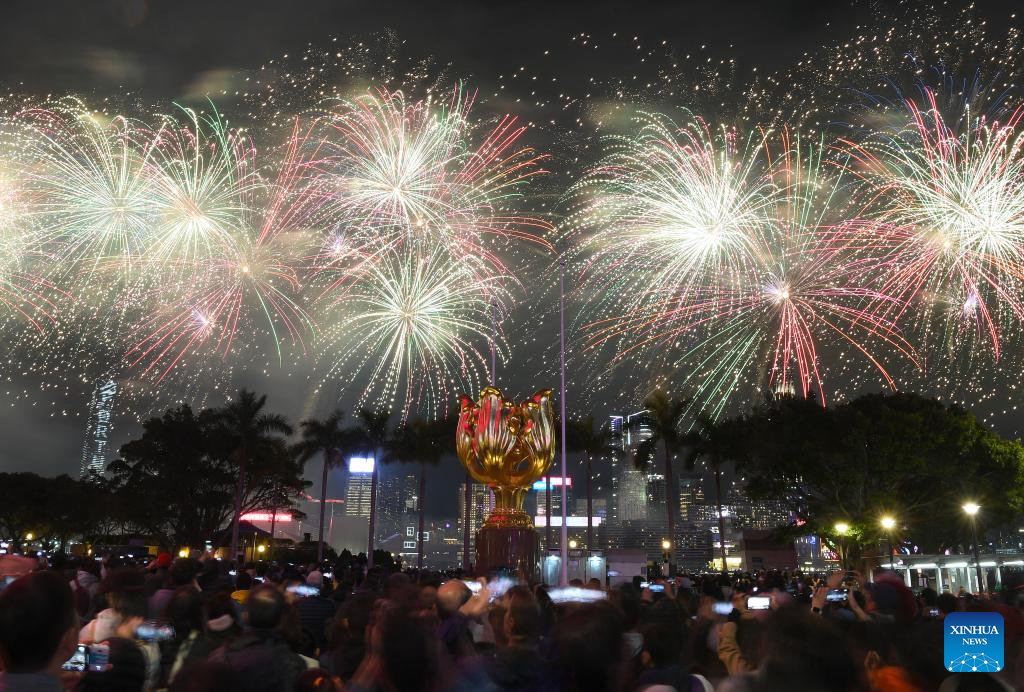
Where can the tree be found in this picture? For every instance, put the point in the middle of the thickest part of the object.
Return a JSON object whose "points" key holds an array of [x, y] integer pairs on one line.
{"points": [[583, 436], [711, 442], [170, 484], [248, 432], [22, 499], [425, 443], [176, 482], [915, 458], [372, 435], [56, 509], [328, 438], [666, 417]]}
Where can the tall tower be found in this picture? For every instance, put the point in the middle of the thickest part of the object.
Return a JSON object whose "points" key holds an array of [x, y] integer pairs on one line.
{"points": [[98, 428], [483, 504], [357, 487]]}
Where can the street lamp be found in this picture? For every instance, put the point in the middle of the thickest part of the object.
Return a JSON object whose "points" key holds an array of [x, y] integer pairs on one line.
{"points": [[971, 508], [888, 523], [572, 544], [261, 549], [842, 528], [666, 553], [29, 536]]}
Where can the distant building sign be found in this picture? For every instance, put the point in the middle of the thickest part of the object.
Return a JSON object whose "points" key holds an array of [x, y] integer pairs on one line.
{"points": [[556, 482], [360, 465], [556, 520], [267, 516]]}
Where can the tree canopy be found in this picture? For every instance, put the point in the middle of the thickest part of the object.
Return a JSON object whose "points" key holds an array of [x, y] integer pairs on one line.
{"points": [[902, 455]]}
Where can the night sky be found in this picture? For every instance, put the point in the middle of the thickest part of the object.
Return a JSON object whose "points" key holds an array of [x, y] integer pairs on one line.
{"points": [[156, 53]]}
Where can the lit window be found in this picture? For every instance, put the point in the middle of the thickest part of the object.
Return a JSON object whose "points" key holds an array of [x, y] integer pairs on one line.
{"points": [[409, 545], [410, 531]]}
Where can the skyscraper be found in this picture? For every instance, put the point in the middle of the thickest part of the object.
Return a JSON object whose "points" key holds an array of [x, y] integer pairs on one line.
{"points": [[98, 428], [540, 491], [396, 498], [483, 504], [358, 481]]}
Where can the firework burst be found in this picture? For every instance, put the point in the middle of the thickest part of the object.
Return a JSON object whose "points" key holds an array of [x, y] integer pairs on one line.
{"points": [[942, 226]]}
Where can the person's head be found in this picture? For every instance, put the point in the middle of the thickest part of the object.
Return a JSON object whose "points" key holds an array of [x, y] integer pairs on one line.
{"points": [[452, 595], [184, 611], [221, 618], [660, 646], [409, 649], [266, 607], [38, 624], [590, 651], [522, 615], [353, 618], [806, 653], [594, 584], [182, 572], [243, 581], [927, 598], [315, 578], [126, 592], [947, 603], [127, 671]]}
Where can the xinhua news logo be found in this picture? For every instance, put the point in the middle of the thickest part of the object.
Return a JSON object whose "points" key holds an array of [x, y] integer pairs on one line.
{"points": [[973, 642]]}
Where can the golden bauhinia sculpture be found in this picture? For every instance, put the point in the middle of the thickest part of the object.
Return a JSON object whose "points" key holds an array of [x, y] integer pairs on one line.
{"points": [[508, 446]]}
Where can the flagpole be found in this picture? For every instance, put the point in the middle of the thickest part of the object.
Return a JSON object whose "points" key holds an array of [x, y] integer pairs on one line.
{"points": [[564, 542]]}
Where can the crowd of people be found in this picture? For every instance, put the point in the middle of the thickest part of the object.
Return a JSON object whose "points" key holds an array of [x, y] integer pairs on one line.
{"points": [[208, 625]]}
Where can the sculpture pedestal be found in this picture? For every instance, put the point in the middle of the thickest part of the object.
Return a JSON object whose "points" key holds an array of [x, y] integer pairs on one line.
{"points": [[513, 550]]}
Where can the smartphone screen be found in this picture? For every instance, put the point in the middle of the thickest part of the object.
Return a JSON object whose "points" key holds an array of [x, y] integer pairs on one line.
{"points": [[154, 632], [721, 608], [759, 603], [78, 659], [657, 588], [98, 657], [837, 595]]}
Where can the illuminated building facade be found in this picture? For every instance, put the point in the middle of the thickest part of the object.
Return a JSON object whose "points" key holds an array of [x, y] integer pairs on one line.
{"points": [[98, 429]]}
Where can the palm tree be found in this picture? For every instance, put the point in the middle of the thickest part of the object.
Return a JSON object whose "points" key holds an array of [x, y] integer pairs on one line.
{"points": [[328, 438], [248, 432], [425, 443], [665, 417], [710, 441], [372, 434], [582, 436]]}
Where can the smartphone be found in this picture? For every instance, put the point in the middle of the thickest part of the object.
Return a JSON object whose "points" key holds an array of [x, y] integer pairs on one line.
{"points": [[759, 603], [98, 657], [657, 588], [303, 590], [154, 632], [328, 575], [837, 595], [721, 608], [472, 584], [78, 660], [232, 572], [934, 612], [644, 584]]}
